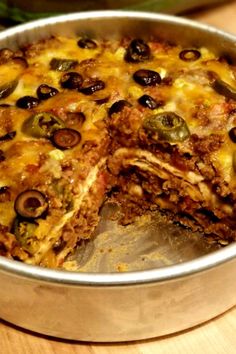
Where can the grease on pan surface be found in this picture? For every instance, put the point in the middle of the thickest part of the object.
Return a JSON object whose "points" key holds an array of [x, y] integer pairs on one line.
{"points": [[150, 242]]}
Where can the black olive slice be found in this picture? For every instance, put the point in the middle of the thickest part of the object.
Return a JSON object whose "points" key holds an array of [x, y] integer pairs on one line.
{"points": [[232, 134], [5, 194], [223, 88], [27, 102], [146, 77], [189, 55], [31, 204], [92, 86], [137, 51], [8, 88], [71, 80], [118, 106], [66, 138], [21, 61], [86, 43], [4, 189], [8, 136], [102, 100], [62, 64], [45, 91], [5, 105], [59, 245], [149, 102]]}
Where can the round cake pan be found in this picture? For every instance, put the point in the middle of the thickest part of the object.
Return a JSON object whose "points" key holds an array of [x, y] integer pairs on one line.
{"points": [[131, 305]]}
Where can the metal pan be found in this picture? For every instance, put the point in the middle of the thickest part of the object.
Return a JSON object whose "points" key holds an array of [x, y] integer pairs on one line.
{"points": [[20, 11], [131, 305]]}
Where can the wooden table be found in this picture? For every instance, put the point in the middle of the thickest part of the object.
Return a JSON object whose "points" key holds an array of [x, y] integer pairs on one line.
{"points": [[215, 337]]}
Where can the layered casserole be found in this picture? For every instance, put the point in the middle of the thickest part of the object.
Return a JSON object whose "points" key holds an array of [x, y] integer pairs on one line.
{"points": [[144, 123]]}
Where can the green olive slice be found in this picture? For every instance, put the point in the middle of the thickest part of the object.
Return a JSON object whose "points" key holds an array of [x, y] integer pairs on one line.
{"points": [[62, 64], [24, 231], [8, 88], [224, 89], [168, 125], [31, 204], [42, 124]]}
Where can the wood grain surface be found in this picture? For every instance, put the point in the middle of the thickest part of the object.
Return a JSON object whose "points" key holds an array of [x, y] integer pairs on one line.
{"points": [[214, 337]]}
